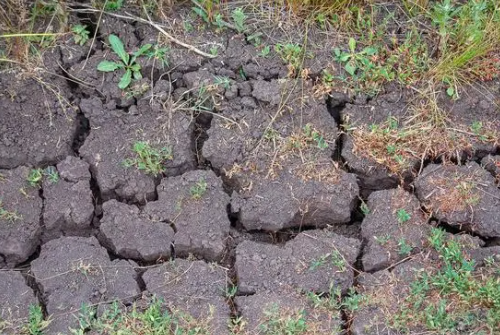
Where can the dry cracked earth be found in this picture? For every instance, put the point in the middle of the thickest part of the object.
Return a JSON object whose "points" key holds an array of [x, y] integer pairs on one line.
{"points": [[262, 190]]}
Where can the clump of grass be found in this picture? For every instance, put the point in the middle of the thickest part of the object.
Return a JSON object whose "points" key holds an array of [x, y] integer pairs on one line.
{"points": [[398, 144], [153, 320], [35, 176], [148, 159], [453, 294], [468, 33], [7, 215]]}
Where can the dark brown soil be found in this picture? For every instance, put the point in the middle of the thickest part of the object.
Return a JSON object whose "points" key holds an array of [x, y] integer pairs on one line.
{"points": [[267, 201]]}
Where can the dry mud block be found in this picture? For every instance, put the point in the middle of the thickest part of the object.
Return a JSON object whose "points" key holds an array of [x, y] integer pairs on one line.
{"points": [[462, 196], [72, 271], [195, 288], [20, 211], [394, 228], [115, 134], [68, 204], [314, 261], [196, 204], [15, 298], [38, 124], [275, 148], [492, 164], [430, 291], [264, 313], [131, 235]]}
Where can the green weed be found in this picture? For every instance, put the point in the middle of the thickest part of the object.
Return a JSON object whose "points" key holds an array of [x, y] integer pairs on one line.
{"points": [[239, 18], [160, 54], [148, 159], [199, 189], [276, 324], [315, 136], [35, 177], [153, 320], [10, 216], [405, 248], [128, 62], [403, 215], [52, 174], [80, 34], [291, 53], [36, 323]]}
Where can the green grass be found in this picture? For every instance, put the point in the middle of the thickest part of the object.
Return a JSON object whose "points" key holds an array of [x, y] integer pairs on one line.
{"points": [[7, 215], [34, 325], [199, 189], [148, 159], [153, 320], [454, 294]]}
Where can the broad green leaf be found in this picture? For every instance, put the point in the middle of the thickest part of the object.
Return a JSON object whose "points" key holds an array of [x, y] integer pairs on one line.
{"points": [[344, 57], [135, 67], [350, 68], [137, 75], [126, 79], [118, 48], [352, 44], [370, 51], [450, 91], [107, 66], [336, 51], [142, 50]]}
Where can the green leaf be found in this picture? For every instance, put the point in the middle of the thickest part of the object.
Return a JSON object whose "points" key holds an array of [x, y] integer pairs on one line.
{"points": [[135, 67], [142, 50], [350, 68], [126, 79], [336, 51], [450, 91], [370, 51], [107, 66], [344, 57], [118, 48], [352, 44], [137, 75]]}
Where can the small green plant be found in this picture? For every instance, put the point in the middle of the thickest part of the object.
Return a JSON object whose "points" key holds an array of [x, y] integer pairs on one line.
{"points": [[403, 215], [239, 18], [404, 248], [277, 322], [291, 53], [52, 174], [148, 159], [128, 62], [353, 300], [198, 189], [364, 208], [9, 216], [35, 177], [207, 10], [222, 81], [265, 51], [315, 136], [36, 323], [231, 291], [80, 34], [383, 240], [114, 4], [160, 54], [335, 258], [214, 51]]}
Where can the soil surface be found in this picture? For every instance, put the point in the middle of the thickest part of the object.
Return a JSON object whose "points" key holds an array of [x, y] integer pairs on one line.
{"points": [[263, 203]]}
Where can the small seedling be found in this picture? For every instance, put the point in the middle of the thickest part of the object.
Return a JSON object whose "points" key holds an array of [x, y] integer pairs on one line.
{"points": [[114, 4], [160, 54], [199, 189], [128, 62], [80, 34], [35, 177], [231, 291], [255, 39], [382, 240], [404, 248], [36, 323], [403, 215], [149, 159], [352, 302], [52, 174], [314, 135], [292, 323], [239, 18], [10, 216], [364, 208], [266, 50], [291, 54], [222, 81], [214, 51]]}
